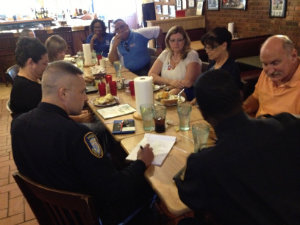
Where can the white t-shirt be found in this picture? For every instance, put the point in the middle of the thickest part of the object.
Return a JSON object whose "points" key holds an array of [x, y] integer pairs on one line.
{"points": [[179, 72]]}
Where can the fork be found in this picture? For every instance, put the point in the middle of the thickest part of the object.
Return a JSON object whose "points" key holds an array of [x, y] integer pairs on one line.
{"points": [[178, 96]]}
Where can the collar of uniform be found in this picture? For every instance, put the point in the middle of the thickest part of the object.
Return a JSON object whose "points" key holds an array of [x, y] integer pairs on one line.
{"points": [[129, 36], [53, 108], [231, 123]]}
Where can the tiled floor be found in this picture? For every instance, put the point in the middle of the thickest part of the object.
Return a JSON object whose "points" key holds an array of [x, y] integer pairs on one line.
{"points": [[13, 206]]}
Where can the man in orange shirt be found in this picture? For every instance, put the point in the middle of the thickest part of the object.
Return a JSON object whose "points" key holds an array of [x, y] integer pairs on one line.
{"points": [[278, 87]]}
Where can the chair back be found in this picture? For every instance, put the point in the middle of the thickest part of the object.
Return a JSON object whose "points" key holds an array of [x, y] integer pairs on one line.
{"points": [[11, 73], [12, 114], [66, 33], [41, 35], [7, 53], [51, 206]]}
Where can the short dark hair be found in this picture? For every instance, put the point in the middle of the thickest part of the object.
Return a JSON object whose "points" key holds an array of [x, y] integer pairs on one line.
{"points": [[98, 21], [118, 20], [217, 94], [54, 72], [29, 48], [218, 35]]}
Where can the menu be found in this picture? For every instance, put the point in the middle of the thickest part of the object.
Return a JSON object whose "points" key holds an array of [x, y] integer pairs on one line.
{"points": [[117, 110]]}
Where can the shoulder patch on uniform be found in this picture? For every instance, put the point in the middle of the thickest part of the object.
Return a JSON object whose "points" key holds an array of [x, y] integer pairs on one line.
{"points": [[93, 145]]}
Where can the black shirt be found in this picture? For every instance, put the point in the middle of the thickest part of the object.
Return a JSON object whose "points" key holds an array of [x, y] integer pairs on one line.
{"points": [[52, 149], [25, 95], [251, 176]]}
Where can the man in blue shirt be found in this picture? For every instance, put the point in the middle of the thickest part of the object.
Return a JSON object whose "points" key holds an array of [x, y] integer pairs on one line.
{"points": [[131, 47]]}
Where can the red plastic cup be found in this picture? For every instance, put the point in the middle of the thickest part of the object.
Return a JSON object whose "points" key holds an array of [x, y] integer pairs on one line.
{"points": [[102, 89], [113, 88], [108, 78], [99, 57], [131, 87]]}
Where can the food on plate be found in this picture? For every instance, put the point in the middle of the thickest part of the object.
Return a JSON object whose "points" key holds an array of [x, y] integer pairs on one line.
{"points": [[98, 70], [104, 100], [166, 99]]}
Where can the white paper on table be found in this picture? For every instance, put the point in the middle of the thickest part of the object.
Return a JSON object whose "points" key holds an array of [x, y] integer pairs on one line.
{"points": [[161, 145]]}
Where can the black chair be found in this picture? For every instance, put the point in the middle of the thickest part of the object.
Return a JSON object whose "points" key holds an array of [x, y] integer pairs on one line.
{"points": [[66, 33], [7, 53], [11, 73], [53, 207]]}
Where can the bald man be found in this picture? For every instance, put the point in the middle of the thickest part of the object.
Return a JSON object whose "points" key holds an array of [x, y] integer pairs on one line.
{"points": [[53, 150], [278, 87]]}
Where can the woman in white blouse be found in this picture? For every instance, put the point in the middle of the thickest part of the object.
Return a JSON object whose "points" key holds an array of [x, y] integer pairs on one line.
{"points": [[178, 64]]}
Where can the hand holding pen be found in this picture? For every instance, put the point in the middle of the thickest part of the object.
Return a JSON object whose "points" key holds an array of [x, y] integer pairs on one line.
{"points": [[146, 154]]}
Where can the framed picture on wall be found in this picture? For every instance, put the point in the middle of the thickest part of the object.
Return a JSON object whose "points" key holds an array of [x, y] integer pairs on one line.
{"points": [[191, 3], [234, 4], [158, 9], [213, 5], [172, 11], [183, 4], [165, 10], [277, 8], [199, 8], [178, 4]]}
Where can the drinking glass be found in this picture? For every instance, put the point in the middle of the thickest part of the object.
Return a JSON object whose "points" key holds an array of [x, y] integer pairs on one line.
{"points": [[200, 135], [147, 116], [160, 112], [184, 113]]}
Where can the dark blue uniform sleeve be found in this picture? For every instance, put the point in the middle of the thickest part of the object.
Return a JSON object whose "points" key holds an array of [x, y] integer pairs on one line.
{"points": [[99, 175]]}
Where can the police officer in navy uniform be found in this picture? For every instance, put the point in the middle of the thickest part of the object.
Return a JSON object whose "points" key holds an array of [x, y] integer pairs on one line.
{"points": [[52, 149]]}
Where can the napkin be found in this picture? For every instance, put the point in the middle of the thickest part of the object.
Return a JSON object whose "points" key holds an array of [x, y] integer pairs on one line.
{"points": [[143, 91]]}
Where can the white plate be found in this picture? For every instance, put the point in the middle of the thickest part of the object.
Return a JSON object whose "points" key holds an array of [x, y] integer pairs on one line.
{"points": [[181, 98], [156, 87], [114, 102]]}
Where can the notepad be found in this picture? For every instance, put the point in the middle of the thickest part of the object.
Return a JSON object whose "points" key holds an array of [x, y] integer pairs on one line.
{"points": [[161, 144], [117, 110]]}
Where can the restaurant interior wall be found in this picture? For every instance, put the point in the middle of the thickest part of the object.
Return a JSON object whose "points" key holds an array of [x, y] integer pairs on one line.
{"points": [[255, 20]]}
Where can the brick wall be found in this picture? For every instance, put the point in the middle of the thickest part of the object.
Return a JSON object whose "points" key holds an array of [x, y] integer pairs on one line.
{"points": [[255, 20]]}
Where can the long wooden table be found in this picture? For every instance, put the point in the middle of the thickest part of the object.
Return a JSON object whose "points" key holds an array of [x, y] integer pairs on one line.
{"points": [[160, 178]]}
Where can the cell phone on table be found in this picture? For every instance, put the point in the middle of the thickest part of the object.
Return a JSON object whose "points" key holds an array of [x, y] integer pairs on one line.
{"points": [[180, 174]]}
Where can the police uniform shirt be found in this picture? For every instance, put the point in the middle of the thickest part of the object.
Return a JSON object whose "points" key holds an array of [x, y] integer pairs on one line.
{"points": [[53, 150]]}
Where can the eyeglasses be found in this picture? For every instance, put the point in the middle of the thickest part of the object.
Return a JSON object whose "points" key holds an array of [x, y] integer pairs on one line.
{"points": [[178, 40], [120, 28], [126, 46], [98, 28], [211, 48]]}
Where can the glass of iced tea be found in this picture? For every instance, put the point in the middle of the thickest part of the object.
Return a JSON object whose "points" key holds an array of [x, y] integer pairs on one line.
{"points": [[160, 112]]}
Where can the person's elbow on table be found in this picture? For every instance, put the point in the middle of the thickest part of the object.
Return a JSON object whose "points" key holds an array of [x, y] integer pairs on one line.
{"points": [[146, 155]]}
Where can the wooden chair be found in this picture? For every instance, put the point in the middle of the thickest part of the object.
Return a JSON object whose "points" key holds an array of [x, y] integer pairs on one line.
{"points": [[66, 33], [11, 73], [12, 114], [7, 53], [41, 35], [51, 206]]}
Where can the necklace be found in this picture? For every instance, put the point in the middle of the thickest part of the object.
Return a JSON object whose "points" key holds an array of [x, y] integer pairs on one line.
{"points": [[174, 60]]}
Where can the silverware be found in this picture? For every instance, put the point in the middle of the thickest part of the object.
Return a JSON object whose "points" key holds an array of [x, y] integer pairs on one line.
{"points": [[179, 96]]}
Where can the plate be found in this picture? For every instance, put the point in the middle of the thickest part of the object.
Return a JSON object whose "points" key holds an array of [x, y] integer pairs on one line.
{"points": [[171, 97], [156, 87], [114, 102]]}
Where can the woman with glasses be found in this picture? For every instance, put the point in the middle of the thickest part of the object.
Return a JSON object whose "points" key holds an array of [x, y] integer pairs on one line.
{"points": [[99, 40], [178, 64]]}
